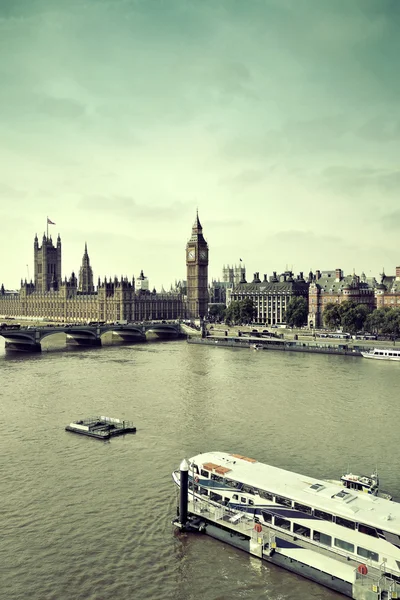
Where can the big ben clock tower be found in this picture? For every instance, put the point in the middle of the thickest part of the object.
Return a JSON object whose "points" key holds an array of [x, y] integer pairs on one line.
{"points": [[197, 272]]}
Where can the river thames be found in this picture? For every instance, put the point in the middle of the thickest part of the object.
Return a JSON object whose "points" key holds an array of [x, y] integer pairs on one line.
{"points": [[86, 519]]}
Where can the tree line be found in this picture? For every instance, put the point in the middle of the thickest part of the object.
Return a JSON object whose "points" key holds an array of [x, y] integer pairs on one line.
{"points": [[353, 317]]}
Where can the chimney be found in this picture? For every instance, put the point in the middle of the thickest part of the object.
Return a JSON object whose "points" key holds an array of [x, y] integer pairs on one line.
{"points": [[265, 278], [317, 274], [397, 273], [338, 275]]}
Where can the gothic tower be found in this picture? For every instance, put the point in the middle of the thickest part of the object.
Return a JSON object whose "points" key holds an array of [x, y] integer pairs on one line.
{"points": [[86, 275], [47, 264], [197, 272]]}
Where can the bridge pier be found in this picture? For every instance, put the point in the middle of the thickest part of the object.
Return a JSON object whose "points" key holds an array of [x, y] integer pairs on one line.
{"points": [[23, 347]]}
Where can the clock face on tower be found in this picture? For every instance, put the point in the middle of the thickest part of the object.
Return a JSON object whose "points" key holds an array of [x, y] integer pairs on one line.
{"points": [[191, 254], [203, 254]]}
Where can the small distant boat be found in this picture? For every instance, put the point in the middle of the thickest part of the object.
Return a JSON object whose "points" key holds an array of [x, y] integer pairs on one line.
{"points": [[364, 483], [383, 354], [257, 346]]}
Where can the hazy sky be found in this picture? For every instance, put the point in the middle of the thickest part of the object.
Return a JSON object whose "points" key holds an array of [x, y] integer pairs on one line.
{"points": [[278, 119]]}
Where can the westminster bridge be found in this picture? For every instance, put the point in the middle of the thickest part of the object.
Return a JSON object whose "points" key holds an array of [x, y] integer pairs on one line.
{"points": [[28, 339]]}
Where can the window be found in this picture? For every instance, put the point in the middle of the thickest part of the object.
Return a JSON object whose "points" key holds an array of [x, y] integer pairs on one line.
{"points": [[344, 545], [320, 514], [247, 489], [251, 502], [243, 499], [301, 530], [235, 497], [266, 495], [284, 523], [215, 497], [345, 523], [367, 530], [231, 483], [266, 516], [302, 508], [282, 500], [204, 473], [217, 477], [322, 538], [317, 487], [367, 554]]}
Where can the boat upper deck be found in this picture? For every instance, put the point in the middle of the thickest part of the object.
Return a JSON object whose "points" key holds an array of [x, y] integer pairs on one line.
{"points": [[317, 493]]}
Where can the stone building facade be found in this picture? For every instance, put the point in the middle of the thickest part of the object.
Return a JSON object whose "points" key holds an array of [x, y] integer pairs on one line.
{"points": [[73, 301], [387, 292], [334, 287], [271, 296]]}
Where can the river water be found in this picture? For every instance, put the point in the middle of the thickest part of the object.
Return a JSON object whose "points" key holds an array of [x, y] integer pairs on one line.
{"points": [[86, 519]]}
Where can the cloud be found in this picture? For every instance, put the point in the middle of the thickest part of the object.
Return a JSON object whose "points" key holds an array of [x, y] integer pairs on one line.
{"points": [[359, 180], [130, 209]]}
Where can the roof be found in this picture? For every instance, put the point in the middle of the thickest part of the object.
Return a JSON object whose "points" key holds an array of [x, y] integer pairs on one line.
{"points": [[318, 493], [271, 287]]}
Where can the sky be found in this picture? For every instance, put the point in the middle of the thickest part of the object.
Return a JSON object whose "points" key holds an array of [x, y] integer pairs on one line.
{"points": [[278, 119]]}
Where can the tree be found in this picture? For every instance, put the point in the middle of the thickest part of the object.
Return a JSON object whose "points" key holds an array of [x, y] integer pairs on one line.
{"points": [[375, 321], [392, 323], [216, 312], [353, 316], [232, 313], [247, 310], [296, 311], [240, 311], [332, 316]]}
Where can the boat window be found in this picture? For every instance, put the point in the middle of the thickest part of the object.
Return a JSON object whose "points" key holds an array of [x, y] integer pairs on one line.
{"points": [[215, 497], [217, 477], [303, 508], [203, 491], [266, 495], [248, 489], [367, 554], [235, 497], [284, 523], [320, 514], [190, 485], [251, 502], [301, 530], [243, 499], [266, 516], [231, 483], [322, 538], [368, 530], [344, 545], [195, 468], [205, 473], [282, 500], [345, 523]]}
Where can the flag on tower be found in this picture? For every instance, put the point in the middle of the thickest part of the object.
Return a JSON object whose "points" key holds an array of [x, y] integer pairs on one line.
{"points": [[49, 222], [240, 260]]}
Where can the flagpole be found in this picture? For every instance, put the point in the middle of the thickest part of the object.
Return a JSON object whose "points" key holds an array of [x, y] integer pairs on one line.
{"points": [[47, 227]]}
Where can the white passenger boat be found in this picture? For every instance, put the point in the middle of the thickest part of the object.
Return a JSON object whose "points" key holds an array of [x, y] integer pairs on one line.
{"points": [[365, 484], [344, 540], [383, 353]]}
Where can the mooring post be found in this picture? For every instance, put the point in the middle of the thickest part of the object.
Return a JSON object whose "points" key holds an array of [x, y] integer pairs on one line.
{"points": [[183, 496]]}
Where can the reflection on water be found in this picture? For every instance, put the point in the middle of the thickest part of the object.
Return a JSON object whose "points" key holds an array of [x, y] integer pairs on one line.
{"points": [[84, 518]]}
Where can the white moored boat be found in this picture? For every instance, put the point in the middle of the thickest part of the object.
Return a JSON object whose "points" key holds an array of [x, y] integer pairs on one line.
{"points": [[362, 483], [346, 541], [383, 354]]}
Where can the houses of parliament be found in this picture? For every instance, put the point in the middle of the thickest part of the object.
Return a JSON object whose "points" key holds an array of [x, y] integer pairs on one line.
{"points": [[76, 299]]}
